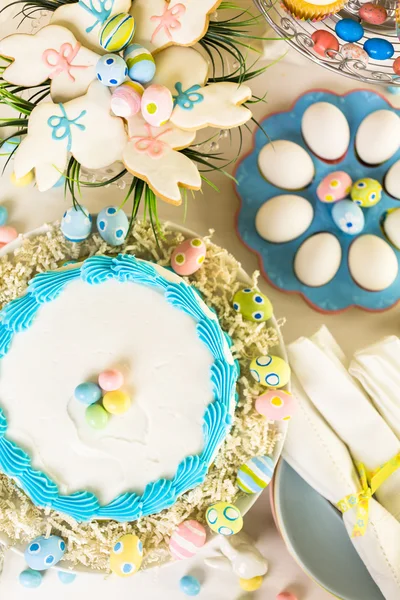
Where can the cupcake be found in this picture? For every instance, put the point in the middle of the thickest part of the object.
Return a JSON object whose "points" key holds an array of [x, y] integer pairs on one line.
{"points": [[315, 11]]}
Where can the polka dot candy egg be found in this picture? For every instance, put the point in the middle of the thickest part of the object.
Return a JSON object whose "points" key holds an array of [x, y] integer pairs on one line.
{"points": [[188, 257], [366, 192], [255, 475], [224, 518], [270, 371], [111, 70], [76, 224], [43, 553], [113, 225], [276, 405], [253, 305], [187, 540], [334, 187], [126, 556], [157, 105]]}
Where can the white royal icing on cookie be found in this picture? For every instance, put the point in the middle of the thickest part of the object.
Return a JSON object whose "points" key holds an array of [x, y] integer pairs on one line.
{"points": [[178, 64], [52, 53]]}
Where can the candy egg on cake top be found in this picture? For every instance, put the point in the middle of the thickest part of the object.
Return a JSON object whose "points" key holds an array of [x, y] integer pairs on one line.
{"points": [[140, 62], [87, 393], [126, 100], [117, 32], [96, 416], [117, 402], [111, 70]]}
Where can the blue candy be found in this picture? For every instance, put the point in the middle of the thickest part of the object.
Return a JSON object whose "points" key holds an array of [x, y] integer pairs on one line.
{"points": [[30, 579], [3, 215], [88, 393], [190, 585], [349, 30], [379, 49], [43, 553], [66, 578], [113, 225], [60, 182], [76, 224], [111, 70], [10, 145]]}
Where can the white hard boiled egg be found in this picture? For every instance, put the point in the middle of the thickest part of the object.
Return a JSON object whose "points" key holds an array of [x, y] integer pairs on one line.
{"points": [[284, 218], [326, 131], [378, 137], [318, 259], [391, 227], [372, 263], [286, 165], [392, 180]]}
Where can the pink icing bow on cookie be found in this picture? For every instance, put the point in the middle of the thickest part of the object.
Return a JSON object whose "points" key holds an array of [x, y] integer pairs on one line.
{"points": [[169, 20], [61, 61], [151, 145]]}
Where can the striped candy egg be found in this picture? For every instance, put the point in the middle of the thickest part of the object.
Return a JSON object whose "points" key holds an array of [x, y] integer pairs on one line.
{"points": [[255, 475], [270, 371], [126, 99], [157, 105], [117, 32], [141, 65], [187, 540]]}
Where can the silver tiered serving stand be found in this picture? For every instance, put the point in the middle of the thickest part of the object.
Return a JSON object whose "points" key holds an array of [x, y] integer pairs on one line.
{"points": [[298, 34]]}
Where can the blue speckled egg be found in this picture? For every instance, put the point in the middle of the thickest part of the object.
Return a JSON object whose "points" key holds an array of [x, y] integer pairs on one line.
{"points": [[43, 553], [10, 145], [379, 49], [3, 215], [140, 62], [348, 216], [349, 30], [113, 225], [88, 393], [30, 579], [190, 585], [111, 70], [76, 224], [66, 578]]}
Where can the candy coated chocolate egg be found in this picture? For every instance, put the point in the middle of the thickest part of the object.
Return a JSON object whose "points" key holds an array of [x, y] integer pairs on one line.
{"points": [[87, 393], [30, 579], [253, 305], [111, 70], [66, 578], [286, 596], [379, 49], [96, 416], [76, 224], [334, 187], [354, 52], [141, 64], [113, 225], [22, 181], [349, 30], [111, 380], [187, 540], [190, 585], [396, 66], [188, 257], [366, 192], [117, 403], [324, 41], [7, 234], [126, 100], [224, 518], [270, 371], [373, 13], [117, 32], [43, 553], [126, 556], [10, 145], [3, 215], [348, 217], [254, 476], [276, 405], [157, 105], [251, 585]]}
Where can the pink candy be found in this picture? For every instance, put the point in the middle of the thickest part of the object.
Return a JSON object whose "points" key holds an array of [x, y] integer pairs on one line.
{"points": [[111, 380], [276, 405], [7, 234], [188, 257], [186, 541], [286, 596]]}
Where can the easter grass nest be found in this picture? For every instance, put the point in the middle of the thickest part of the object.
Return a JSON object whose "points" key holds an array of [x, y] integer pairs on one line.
{"points": [[89, 544]]}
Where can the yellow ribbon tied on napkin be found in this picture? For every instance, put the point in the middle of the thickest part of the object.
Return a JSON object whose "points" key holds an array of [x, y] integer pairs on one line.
{"points": [[369, 485]]}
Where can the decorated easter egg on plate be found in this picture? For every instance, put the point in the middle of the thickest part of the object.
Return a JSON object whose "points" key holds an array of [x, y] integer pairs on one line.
{"points": [[348, 217], [190, 585], [251, 585], [224, 518], [126, 100], [318, 259], [111, 70], [7, 234], [117, 32], [30, 579], [354, 52], [187, 540], [375, 14], [188, 257], [372, 263], [323, 42], [271, 371], [349, 30], [87, 393], [113, 225], [76, 224], [96, 416], [392, 180], [391, 227], [157, 105], [255, 475], [379, 48], [126, 556], [286, 165], [284, 218], [378, 137], [326, 131], [43, 553], [141, 65], [253, 305], [334, 187], [117, 402], [276, 405], [366, 192]]}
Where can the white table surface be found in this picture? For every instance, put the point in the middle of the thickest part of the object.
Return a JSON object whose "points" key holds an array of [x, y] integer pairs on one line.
{"points": [[29, 209]]}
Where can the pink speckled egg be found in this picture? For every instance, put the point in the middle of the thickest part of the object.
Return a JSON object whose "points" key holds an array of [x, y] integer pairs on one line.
{"points": [[354, 52], [111, 380], [323, 42], [157, 105], [7, 234], [334, 187], [188, 257], [276, 405], [373, 13], [126, 100], [187, 540]]}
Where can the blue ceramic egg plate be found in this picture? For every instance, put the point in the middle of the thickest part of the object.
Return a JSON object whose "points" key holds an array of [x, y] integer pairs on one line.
{"points": [[276, 260]]}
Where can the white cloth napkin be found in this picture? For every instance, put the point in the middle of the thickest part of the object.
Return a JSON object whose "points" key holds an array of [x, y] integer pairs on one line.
{"points": [[318, 364], [317, 454], [377, 368]]}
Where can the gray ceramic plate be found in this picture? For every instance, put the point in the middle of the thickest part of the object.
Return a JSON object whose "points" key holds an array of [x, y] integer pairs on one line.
{"points": [[316, 537]]}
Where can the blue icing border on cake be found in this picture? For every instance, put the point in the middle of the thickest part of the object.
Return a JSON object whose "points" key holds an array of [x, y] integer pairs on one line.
{"points": [[83, 506]]}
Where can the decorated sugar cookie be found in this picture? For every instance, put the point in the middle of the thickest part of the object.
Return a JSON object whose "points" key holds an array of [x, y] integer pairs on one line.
{"points": [[83, 127], [151, 155], [162, 23], [86, 18], [53, 53]]}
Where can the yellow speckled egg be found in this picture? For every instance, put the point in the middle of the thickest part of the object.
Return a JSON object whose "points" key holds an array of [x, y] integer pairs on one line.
{"points": [[224, 518], [366, 192], [126, 556], [270, 371]]}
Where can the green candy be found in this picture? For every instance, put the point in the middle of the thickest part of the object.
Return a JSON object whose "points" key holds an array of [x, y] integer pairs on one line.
{"points": [[253, 305], [96, 416]]}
